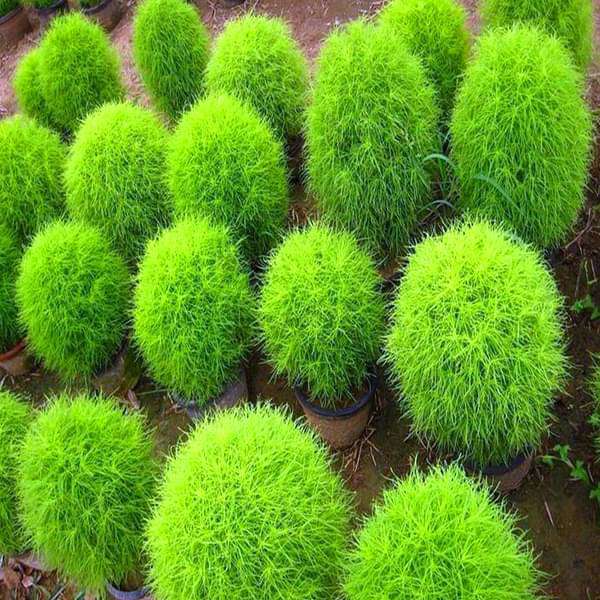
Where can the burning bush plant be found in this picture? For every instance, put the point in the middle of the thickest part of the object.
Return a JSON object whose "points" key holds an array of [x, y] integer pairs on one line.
{"points": [[270, 519], [10, 256]]}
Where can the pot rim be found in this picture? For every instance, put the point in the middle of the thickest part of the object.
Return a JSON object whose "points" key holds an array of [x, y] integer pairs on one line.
{"points": [[124, 595], [11, 14], [92, 10], [12, 352], [51, 9], [492, 470]]}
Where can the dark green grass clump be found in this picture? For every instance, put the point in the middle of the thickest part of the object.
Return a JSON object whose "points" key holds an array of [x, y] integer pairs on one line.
{"points": [[521, 135], [371, 125], [170, 48], [224, 163], [14, 421], [257, 60], [193, 310], [31, 163], [73, 294], [438, 537], [435, 31], [249, 508], [114, 177], [321, 313], [7, 6], [86, 477], [10, 257], [570, 20], [477, 343]]}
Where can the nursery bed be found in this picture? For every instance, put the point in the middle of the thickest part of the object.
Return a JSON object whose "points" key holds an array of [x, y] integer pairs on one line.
{"points": [[563, 523]]}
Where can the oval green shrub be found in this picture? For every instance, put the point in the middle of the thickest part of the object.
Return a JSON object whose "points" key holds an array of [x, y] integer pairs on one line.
{"points": [[73, 294], [521, 135], [170, 49], [372, 123], [32, 160], [86, 478], [114, 176], [436, 32], [224, 163], [321, 313], [15, 416], [194, 311], [476, 345], [570, 20], [10, 257], [441, 536], [257, 60], [269, 520]]}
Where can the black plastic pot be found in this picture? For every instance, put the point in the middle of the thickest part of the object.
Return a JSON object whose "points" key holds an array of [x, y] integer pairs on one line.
{"points": [[106, 13], [505, 478], [13, 26], [48, 11], [118, 594]]}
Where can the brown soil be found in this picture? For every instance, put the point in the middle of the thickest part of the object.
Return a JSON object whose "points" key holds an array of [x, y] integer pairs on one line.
{"points": [[562, 522]]}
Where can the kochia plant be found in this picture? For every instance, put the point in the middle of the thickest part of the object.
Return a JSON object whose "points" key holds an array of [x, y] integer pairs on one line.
{"points": [[194, 310], [10, 256], [224, 163], [477, 343], [249, 508], [441, 536], [73, 294], [321, 313], [7, 6], [170, 48], [86, 476], [114, 177], [257, 60], [372, 124], [521, 135]]}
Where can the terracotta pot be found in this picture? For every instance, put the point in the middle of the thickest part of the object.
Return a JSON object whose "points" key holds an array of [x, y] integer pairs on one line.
{"points": [[505, 478], [118, 594], [13, 27], [45, 15], [16, 361], [342, 427], [121, 376], [107, 13]]}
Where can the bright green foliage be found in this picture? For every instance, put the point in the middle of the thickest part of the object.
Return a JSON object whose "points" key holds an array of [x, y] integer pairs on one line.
{"points": [[10, 256], [194, 309], [85, 482], [249, 508], [321, 313], [477, 343], [31, 163], [372, 123], [257, 60], [435, 31], [115, 176], [170, 48], [14, 421], [7, 6], [224, 163], [73, 294], [570, 20], [441, 537], [521, 135]]}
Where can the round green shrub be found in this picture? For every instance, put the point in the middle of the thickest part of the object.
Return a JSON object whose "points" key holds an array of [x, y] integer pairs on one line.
{"points": [[269, 519], [521, 135], [86, 478], [441, 536], [170, 49], [321, 313], [7, 6], [477, 343], [224, 163], [73, 295], [14, 421], [115, 176], [372, 123], [436, 32], [570, 20], [194, 311], [10, 257], [257, 60], [32, 159]]}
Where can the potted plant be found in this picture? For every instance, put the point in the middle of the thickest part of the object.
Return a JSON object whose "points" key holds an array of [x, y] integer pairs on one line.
{"points": [[45, 10], [107, 13], [114, 176], [193, 315], [476, 348], [85, 482], [170, 48], [321, 315], [14, 23], [15, 416], [441, 535], [249, 508], [225, 163]]}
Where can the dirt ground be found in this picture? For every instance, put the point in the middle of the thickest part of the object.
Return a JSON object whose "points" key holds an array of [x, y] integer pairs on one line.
{"points": [[562, 522]]}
